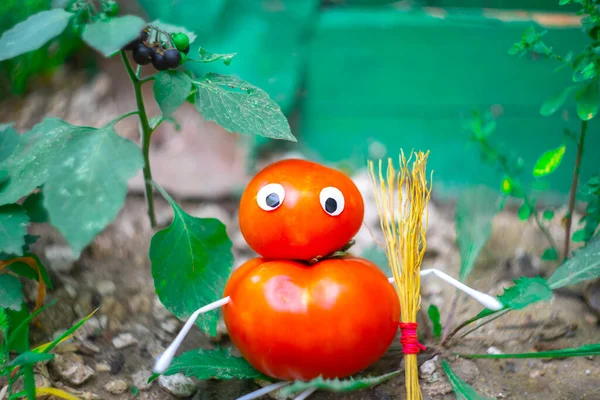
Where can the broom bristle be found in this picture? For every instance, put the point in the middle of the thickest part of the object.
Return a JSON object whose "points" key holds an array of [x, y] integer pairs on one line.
{"points": [[402, 199]]}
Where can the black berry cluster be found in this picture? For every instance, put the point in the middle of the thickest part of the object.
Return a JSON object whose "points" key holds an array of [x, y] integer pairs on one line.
{"points": [[148, 48]]}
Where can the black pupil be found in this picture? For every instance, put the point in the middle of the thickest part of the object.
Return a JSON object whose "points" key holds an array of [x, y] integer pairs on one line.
{"points": [[272, 200], [330, 205]]}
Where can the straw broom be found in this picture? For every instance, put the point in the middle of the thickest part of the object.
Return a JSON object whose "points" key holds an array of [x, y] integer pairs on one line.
{"points": [[403, 220]]}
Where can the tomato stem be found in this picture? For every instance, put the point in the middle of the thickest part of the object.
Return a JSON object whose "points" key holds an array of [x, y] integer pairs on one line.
{"points": [[145, 136]]}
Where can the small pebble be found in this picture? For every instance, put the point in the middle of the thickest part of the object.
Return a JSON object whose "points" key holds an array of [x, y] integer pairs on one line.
{"points": [[140, 303], [102, 367], [494, 350], [427, 369], [88, 347], [60, 258], [536, 373], [158, 309], [178, 385], [169, 326], [118, 386], [587, 372], [124, 340], [106, 288], [70, 367], [140, 379]]}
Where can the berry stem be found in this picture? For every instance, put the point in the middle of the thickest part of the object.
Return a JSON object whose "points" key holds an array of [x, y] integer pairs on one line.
{"points": [[145, 137]]}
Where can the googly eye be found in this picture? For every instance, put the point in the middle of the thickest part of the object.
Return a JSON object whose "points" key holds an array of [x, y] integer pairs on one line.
{"points": [[332, 200], [270, 197]]}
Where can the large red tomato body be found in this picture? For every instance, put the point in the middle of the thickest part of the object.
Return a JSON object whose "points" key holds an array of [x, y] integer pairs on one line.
{"points": [[293, 321], [298, 209]]}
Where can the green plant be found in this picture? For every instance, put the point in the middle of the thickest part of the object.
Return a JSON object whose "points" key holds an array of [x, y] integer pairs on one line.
{"points": [[74, 177], [586, 93], [16, 74], [14, 327]]}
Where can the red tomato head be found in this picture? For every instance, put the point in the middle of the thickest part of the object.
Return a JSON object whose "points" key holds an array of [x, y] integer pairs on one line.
{"points": [[294, 321], [297, 209]]}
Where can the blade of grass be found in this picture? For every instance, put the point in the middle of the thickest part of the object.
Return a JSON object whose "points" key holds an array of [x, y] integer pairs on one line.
{"points": [[69, 332], [583, 351]]}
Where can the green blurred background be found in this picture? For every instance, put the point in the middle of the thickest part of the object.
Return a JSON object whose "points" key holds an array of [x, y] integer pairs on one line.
{"points": [[362, 78]]}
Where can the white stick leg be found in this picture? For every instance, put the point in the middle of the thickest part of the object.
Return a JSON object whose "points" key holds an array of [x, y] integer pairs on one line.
{"points": [[165, 358], [267, 389], [306, 393], [486, 300]]}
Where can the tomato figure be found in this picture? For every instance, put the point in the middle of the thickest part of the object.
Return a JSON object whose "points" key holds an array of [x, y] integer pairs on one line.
{"points": [[298, 209], [293, 321]]}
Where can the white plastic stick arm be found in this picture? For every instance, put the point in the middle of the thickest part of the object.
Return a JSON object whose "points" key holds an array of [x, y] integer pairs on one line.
{"points": [[306, 393], [485, 299], [165, 358], [267, 389]]}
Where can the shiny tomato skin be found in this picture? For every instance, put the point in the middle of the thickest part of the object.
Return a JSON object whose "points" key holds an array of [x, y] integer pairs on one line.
{"points": [[293, 321], [299, 228]]}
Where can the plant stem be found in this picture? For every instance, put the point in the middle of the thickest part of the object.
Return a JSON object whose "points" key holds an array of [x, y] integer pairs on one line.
{"points": [[145, 137], [494, 317], [574, 184], [450, 317]]}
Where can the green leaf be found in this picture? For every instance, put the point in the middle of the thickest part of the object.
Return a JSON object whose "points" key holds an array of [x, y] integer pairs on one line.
{"points": [[583, 351], [524, 212], [548, 214], [209, 364], [240, 107], [4, 325], [19, 328], [34, 205], [588, 101], [588, 71], [582, 235], [91, 184], [30, 358], [9, 139], [208, 57], [171, 29], [84, 171], [29, 382], [33, 33], [555, 102], [11, 295], [66, 333], [23, 269], [171, 88], [337, 385], [549, 161], [525, 292], [582, 266], [191, 261], [38, 152], [462, 390], [434, 315], [475, 210], [13, 228], [4, 178], [18, 336], [550, 254], [564, 2], [109, 36]]}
